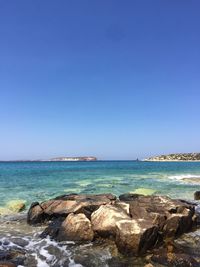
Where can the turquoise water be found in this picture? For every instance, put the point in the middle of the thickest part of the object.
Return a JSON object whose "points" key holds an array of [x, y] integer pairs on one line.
{"points": [[33, 181]]}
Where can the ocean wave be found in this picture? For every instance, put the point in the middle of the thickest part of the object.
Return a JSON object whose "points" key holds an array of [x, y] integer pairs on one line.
{"points": [[184, 176]]}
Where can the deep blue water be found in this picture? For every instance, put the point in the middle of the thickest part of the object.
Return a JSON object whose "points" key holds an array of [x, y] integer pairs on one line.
{"points": [[33, 181]]}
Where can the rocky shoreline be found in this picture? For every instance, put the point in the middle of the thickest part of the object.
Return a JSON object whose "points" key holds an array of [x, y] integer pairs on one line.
{"points": [[176, 157], [137, 227]]}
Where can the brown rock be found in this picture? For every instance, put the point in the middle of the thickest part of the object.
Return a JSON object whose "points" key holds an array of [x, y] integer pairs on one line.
{"points": [[66, 204], [76, 227], [173, 217], [7, 264], [105, 218], [135, 236], [170, 257], [36, 214]]}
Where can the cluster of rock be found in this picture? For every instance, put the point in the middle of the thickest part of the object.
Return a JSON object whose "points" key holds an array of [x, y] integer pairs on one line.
{"points": [[176, 157], [135, 222]]}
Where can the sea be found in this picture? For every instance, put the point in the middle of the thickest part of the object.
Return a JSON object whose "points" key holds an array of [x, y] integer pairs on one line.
{"points": [[39, 181]]}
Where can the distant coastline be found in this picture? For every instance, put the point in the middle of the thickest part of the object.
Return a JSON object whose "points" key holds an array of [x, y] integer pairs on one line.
{"points": [[91, 158], [179, 157]]}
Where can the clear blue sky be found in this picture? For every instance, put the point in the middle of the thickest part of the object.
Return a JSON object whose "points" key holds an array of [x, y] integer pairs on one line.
{"points": [[114, 79]]}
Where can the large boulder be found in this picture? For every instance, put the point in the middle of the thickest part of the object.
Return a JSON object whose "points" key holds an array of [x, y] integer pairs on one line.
{"points": [[66, 204], [36, 214], [173, 217], [135, 236], [76, 227], [105, 218]]}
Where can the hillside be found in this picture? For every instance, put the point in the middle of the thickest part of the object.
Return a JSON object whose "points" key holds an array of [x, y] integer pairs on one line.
{"points": [[176, 157]]}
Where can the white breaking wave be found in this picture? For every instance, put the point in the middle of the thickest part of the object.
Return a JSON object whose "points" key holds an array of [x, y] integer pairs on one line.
{"points": [[184, 176]]}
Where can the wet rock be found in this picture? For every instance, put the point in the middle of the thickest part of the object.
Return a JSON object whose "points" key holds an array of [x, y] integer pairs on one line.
{"points": [[197, 195], [128, 197], [7, 264], [36, 214], [105, 218], [4, 255], [170, 257], [76, 227], [19, 241], [12, 256], [66, 204], [52, 229], [135, 236]]}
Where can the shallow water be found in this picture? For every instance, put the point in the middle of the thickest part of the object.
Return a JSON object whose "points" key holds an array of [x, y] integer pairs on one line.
{"points": [[32, 251], [31, 181], [38, 181]]}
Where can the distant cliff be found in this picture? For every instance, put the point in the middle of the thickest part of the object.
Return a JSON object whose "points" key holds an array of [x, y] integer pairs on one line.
{"points": [[74, 159], [176, 157]]}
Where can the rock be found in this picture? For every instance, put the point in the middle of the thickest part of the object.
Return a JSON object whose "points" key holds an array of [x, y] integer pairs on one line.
{"points": [[197, 195], [76, 227], [16, 205], [105, 218], [135, 222], [173, 217], [128, 197], [36, 214], [7, 264], [135, 236], [123, 205], [170, 257], [13, 256], [66, 204], [144, 191], [52, 229]]}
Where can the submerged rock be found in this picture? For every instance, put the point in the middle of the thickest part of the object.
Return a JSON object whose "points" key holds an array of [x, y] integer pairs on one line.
{"points": [[16, 205], [144, 191], [129, 197]]}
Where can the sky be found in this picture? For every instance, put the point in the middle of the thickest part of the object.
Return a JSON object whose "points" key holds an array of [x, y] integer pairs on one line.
{"points": [[113, 79]]}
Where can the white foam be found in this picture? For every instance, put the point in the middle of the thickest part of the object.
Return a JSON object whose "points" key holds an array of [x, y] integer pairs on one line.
{"points": [[73, 264], [183, 176]]}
